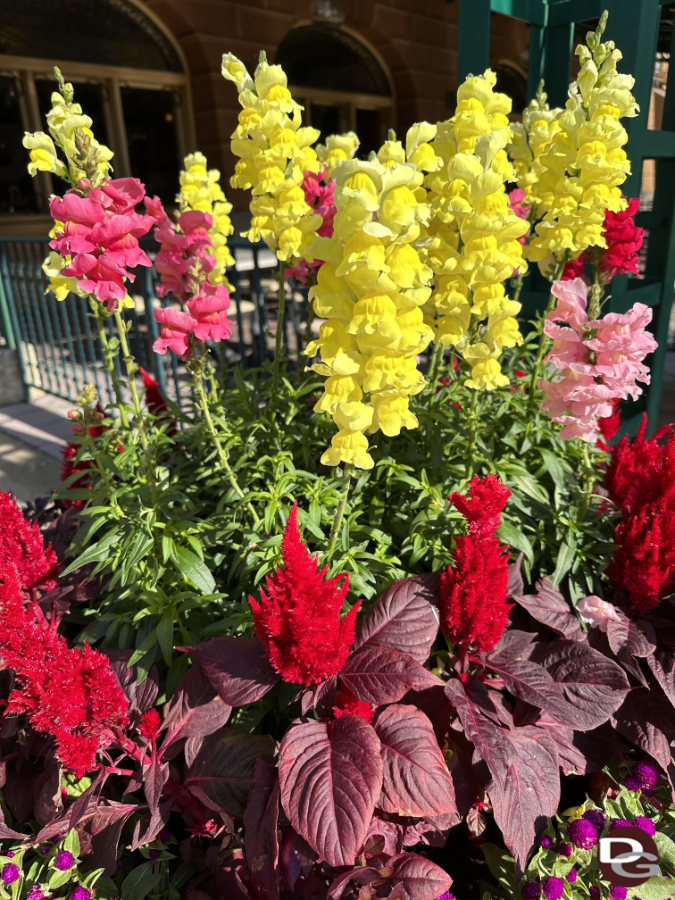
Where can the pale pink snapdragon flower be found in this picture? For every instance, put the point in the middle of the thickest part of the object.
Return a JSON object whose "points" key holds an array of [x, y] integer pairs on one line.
{"points": [[598, 362], [597, 612]]}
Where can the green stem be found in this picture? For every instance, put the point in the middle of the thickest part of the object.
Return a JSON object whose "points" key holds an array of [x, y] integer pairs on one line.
{"points": [[520, 280], [541, 349], [588, 476], [280, 331], [308, 327], [220, 450], [108, 353], [139, 418], [434, 365], [473, 430], [340, 511]]}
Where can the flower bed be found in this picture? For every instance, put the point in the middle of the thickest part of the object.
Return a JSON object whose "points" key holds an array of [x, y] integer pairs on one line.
{"points": [[357, 631]]}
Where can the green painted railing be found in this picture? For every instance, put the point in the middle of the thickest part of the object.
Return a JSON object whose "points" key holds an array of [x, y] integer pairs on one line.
{"points": [[634, 26], [58, 342]]}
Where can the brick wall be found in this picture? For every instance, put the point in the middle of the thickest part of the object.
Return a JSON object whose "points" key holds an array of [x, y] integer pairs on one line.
{"points": [[416, 40]]}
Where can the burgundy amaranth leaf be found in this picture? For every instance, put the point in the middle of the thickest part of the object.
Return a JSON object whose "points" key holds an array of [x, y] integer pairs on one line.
{"points": [[261, 834], [532, 683], [629, 639], [549, 607], [648, 722], [416, 779], [489, 739], [195, 710], [416, 878], [331, 777], [140, 696], [380, 675], [593, 685], [359, 876], [237, 668], [530, 791], [404, 618], [662, 664], [106, 830], [223, 769]]}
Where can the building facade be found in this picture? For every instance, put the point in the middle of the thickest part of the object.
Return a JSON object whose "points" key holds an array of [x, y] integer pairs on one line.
{"points": [[148, 73]]}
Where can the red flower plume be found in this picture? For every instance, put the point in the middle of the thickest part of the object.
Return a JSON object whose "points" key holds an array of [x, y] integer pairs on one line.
{"points": [[298, 620], [22, 546], [473, 588]]}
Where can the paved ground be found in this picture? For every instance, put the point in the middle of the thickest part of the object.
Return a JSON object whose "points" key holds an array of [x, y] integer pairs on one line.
{"points": [[32, 435]]}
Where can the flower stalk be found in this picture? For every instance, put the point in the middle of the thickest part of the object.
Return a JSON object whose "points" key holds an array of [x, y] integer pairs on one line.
{"points": [[108, 355], [473, 431], [340, 511], [280, 331]]}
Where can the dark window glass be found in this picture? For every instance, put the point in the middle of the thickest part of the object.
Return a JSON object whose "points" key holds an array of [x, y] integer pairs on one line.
{"points": [[88, 95], [149, 117], [107, 32], [16, 185], [324, 57], [327, 119], [370, 129]]}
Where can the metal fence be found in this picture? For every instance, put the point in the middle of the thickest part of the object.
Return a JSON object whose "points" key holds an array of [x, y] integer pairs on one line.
{"points": [[58, 343]]}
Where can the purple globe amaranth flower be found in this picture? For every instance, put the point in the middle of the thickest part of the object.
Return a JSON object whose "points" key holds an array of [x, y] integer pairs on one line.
{"points": [[594, 892], [546, 842], [565, 850], [616, 892], [165, 834], [647, 773], [554, 888], [596, 817], [619, 823], [446, 896], [35, 893], [531, 890], [64, 860], [10, 873], [44, 849], [582, 833], [155, 853], [633, 783], [572, 875], [645, 824], [80, 893], [10, 854]]}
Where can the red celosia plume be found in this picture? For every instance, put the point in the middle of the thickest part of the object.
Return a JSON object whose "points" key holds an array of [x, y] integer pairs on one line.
{"points": [[347, 703], [640, 479], [69, 693], [298, 620], [624, 241], [473, 588], [22, 546]]}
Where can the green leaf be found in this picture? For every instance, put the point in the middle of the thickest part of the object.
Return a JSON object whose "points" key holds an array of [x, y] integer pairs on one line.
{"points": [[95, 553], [564, 563], [500, 864], [141, 547], [58, 879], [140, 882], [106, 887], [666, 848], [509, 534], [555, 469], [165, 636], [657, 888], [72, 843], [194, 570]]}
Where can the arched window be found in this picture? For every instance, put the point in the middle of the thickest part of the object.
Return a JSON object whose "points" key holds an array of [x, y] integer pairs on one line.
{"points": [[339, 81], [127, 74]]}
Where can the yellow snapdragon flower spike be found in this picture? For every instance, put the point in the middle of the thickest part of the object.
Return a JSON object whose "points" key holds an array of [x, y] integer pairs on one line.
{"points": [[200, 189], [274, 151], [531, 139], [337, 148], [63, 119], [370, 291], [586, 163], [471, 243]]}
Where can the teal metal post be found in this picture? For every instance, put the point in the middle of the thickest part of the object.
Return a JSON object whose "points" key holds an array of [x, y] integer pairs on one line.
{"points": [[473, 55]]}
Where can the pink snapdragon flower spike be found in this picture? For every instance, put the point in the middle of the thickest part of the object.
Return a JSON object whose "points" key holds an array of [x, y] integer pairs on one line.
{"points": [[100, 233], [321, 198], [209, 310], [599, 362], [179, 249], [175, 334]]}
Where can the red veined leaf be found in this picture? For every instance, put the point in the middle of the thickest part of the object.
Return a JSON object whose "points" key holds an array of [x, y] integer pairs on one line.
{"points": [[106, 830], [593, 685], [648, 722], [662, 664], [195, 710], [530, 682], [530, 791], [489, 740], [236, 667], [223, 768], [261, 836], [380, 675], [140, 696], [416, 878], [404, 618], [549, 607], [416, 779], [360, 875], [629, 639], [331, 777]]}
